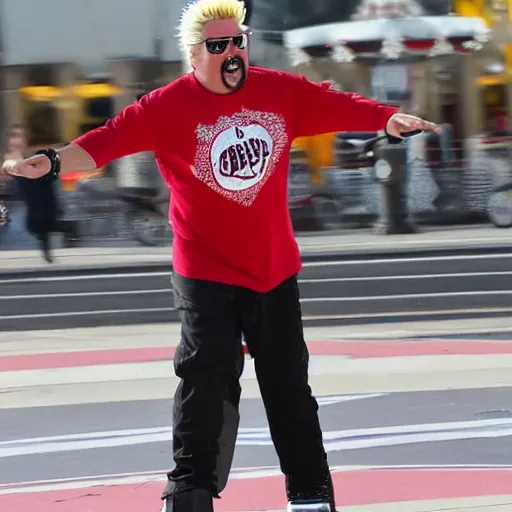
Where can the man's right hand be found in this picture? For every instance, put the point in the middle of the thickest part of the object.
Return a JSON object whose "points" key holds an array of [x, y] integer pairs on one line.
{"points": [[33, 167]]}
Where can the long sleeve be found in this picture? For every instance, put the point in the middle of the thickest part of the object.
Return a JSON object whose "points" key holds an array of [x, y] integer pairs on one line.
{"points": [[319, 109], [131, 131]]}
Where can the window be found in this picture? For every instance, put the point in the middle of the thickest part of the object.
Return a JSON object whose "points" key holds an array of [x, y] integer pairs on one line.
{"points": [[42, 121], [41, 74], [389, 82], [96, 112]]}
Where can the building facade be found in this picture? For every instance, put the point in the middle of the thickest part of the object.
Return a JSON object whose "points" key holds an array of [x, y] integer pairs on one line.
{"points": [[116, 48], [88, 32], [119, 49]]}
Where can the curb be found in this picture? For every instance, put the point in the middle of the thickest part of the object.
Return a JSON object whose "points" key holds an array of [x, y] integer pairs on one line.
{"points": [[394, 252], [365, 254]]}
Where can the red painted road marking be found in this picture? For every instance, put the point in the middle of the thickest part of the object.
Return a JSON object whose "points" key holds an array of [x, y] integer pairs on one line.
{"points": [[365, 487], [356, 349], [86, 358]]}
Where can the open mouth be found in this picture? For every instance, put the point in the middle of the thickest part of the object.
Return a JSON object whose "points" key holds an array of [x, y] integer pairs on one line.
{"points": [[233, 66], [233, 72]]}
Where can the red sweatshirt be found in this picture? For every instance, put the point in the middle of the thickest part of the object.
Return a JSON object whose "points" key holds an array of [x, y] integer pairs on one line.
{"points": [[225, 159]]}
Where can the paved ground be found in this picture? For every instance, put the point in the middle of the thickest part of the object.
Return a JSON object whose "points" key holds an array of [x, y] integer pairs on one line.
{"points": [[347, 279], [346, 291], [419, 425], [416, 414]]}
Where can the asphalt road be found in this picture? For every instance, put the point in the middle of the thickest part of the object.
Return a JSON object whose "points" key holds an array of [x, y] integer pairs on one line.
{"points": [[448, 428], [341, 292]]}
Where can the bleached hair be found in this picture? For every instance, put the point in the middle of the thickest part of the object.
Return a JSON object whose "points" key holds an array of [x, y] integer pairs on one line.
{"points": [[196, 14]]}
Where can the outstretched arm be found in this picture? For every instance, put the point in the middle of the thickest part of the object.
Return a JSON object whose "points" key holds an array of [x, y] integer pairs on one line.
{"points": [[74, 158], [131, 131], [319, 109]]}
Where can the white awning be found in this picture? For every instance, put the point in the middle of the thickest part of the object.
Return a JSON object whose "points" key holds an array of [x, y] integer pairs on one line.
{"points": [[419, 28]]}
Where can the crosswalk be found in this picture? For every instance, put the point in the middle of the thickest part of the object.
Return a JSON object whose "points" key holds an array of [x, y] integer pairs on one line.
{"points": [[103, 430], [341, 440]]}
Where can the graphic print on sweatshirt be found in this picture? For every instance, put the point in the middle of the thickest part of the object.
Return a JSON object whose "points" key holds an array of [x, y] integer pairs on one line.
{"points": [[237, 155]]}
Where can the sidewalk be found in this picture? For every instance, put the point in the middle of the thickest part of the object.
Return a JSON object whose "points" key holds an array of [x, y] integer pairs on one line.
{"points": [[352, 242], [111, 364]]}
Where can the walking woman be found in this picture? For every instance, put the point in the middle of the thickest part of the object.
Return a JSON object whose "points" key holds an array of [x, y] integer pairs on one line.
{"points": [[41, 197]]}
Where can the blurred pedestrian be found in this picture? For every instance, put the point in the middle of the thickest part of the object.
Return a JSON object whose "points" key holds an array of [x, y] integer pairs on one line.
{"points": [[4, 216], [5, 186], [16, 151], [41, 197], [45, 212], [235, 258]]}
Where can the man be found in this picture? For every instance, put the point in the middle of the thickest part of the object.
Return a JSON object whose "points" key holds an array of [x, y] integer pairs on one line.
{"points": [[221, 135]]}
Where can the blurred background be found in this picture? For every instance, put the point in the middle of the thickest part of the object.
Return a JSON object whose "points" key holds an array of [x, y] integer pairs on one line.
{"points": [[67, 67], [410, 336]]}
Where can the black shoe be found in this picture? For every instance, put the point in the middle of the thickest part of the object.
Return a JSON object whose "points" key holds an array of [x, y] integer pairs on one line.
{"points": [[192, 500], [47, 253], [44, 241], [320, 498], [48, 256]]}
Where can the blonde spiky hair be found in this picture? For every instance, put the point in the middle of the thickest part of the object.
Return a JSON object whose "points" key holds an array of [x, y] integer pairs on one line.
{"points": [[197, 13]]}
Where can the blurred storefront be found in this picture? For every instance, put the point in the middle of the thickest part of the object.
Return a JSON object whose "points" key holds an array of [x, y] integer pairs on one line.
{"points": [[428, 51], [58, 103], [450, 59], [414, 53], [102, 57], [438, 59], [495, 63]]}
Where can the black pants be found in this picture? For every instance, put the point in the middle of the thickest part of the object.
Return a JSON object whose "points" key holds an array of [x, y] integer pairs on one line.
{"points": [[43, 231], [209, 361]]}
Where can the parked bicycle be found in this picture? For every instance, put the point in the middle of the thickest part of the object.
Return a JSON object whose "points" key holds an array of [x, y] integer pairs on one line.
{"points": [[142, 211]]}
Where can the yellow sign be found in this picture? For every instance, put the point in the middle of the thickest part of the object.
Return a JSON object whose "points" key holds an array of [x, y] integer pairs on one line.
{"points": [[85, 91], [96, 90], [42, 92]]}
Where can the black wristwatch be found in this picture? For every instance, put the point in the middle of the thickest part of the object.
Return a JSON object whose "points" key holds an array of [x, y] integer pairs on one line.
{"points": [[54, 158]]}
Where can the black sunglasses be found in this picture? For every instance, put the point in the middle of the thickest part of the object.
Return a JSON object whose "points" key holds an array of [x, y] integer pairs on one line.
{"points": [[218, 45]]}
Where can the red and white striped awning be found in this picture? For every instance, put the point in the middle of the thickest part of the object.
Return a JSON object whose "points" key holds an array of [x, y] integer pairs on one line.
{"points": [[390, 38]]}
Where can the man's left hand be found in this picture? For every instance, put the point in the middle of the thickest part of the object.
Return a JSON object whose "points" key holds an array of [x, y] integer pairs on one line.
{"points": [[403, 123]]}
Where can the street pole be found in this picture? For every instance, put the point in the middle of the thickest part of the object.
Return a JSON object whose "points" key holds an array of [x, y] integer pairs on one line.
{"points": [[390, 171], [160, 27]]}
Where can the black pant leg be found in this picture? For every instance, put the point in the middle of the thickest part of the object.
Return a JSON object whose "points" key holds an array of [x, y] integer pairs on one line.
{"points": [[276, 341], [45, 244], [209, 361]]}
